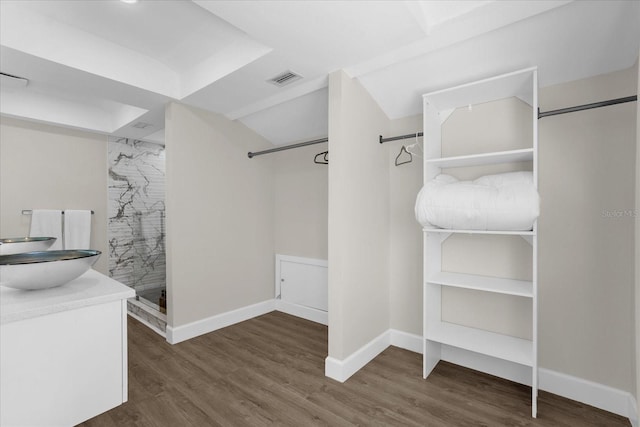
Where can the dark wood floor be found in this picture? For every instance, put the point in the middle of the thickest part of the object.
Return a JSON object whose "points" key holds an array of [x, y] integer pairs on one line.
{"points": [[270, 371]]}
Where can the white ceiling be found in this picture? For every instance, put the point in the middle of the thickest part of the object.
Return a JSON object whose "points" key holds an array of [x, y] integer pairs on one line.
{"points": [[107, 66]]}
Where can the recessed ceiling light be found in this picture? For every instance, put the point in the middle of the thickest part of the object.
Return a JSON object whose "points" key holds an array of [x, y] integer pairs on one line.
{"points": [[129, 1]]}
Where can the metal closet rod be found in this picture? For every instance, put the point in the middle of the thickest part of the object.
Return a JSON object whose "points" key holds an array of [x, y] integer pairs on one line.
{"points": [[587, 106], [540, 114], [287, 147], [396, 138], [418, 134]]}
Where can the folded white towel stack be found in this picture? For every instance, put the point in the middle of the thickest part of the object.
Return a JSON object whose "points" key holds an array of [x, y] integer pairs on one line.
{"points": [[47, 223], [77, 229]]}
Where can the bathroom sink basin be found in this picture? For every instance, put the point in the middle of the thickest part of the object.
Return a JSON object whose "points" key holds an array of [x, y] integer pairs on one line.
{"points": [[44, 269], [16, 245]]}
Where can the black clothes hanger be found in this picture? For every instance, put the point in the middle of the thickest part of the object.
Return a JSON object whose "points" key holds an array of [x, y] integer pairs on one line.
{"points": [[402, 162], [324, 160]]}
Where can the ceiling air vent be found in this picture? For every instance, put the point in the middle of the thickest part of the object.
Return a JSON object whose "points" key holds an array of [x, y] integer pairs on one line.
{"points": [[285, 78], [141, 125]]}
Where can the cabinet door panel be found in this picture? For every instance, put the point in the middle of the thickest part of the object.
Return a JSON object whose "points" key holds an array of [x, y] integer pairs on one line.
{"points": [[304, 284], [63, 368]]}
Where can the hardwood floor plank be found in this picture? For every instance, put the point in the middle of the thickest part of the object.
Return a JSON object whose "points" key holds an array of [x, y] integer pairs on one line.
{"points": [[270, 371]]}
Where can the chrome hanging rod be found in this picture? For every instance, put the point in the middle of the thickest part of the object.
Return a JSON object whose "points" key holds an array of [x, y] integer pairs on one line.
{"points": [[287, 147], [396, 138], [587, 106], [30, 212], [540, 114]]}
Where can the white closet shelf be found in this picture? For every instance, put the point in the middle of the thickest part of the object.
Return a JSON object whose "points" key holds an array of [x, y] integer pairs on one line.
{"points": [[483, 283], [517, 83], [522, 155], [522, 84], [506, 232], [492, 344]]}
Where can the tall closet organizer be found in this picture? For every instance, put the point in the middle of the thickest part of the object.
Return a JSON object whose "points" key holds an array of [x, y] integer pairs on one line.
{"points": [[438, 333]]}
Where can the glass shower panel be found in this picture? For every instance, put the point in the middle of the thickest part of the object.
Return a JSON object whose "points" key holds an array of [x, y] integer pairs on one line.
{"points": [[136, 218]]}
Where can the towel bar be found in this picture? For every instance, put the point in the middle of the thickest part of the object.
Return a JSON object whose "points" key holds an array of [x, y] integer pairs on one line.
{"points": [[30, 211]]}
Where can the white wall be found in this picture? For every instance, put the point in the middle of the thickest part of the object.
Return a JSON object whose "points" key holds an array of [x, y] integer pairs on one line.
{"points": [[358, 218], [300, 202], [219, 216], [50, 167], [461, 252], [586, 247], [637, 247], [586, 259], [405, 233], [495, 126]]}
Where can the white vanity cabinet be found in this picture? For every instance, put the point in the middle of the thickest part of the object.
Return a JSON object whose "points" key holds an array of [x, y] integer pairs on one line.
{"points": [[63, 352]]}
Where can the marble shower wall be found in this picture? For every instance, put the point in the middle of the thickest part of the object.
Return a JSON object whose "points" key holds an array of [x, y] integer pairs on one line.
{"points": [[136, 213]]}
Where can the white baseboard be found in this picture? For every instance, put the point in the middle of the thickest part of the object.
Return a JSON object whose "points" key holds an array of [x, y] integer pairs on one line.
{"points": [[598, 395], [634, 415], [222, 320], [341, 370], [219, 321], [405, 340], [308, 313]]}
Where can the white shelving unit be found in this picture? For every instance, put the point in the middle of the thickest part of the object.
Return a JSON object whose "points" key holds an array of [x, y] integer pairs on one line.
{"points": [[498, 285], [505, 232], [437, 107], [483, 159]]}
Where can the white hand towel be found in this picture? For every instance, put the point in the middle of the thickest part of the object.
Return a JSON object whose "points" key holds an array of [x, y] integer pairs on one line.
{"points": [[77, 229], [47, 223]]}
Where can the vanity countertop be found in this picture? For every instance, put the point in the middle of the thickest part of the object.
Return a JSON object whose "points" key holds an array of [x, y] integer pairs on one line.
{"points": [[91, 288]]}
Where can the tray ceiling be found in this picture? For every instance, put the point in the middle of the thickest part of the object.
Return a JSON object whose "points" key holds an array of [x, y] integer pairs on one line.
{"points": [[106, 65]]}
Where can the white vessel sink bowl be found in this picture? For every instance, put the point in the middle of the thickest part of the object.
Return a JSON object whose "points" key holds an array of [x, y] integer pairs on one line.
{"points": [[44, 269], [16, 245]]}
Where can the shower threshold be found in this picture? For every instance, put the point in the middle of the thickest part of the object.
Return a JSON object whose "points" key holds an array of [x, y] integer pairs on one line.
{"points": [[147, 315], [154, 298]]}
